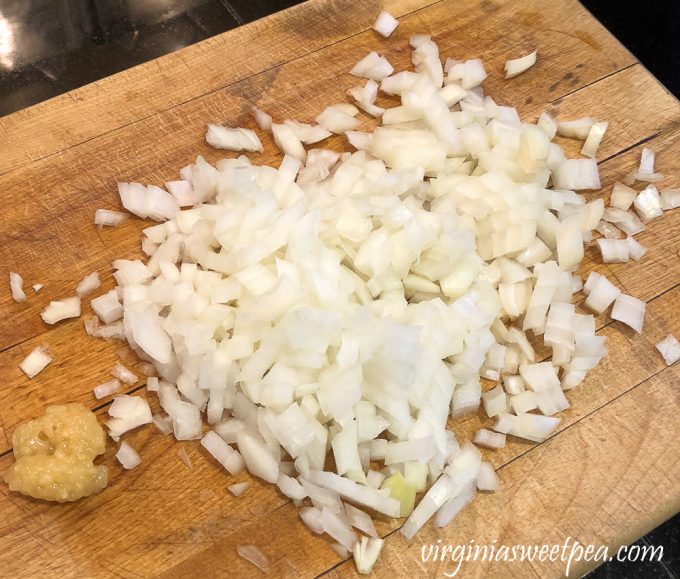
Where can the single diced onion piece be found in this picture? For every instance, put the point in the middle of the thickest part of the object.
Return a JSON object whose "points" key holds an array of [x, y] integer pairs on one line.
{"points": [[123, 374], [107, 307], [16, 285], [232, 139], [489, 439], [253, 555], [257, 456], [372, 66], [162, 423], [614, 250], [519, 65], [107, 217], [630, 311], [601, 293], [385, 24], [263, 120], [106, 389], [90, 283], [128, 456], [646, 161], [548, 125], [287, 141], [61, 310], [127, 413], [238, 489], [184, 457], [337, 121], [36, 361], [366, 552], [577, 129], [577, 174], [595, 136], [229, 458], [37, 287], [494, 401], [487, 479], [669, 348], [622, 196], [670, 198], [648, 203], [635, 249]]}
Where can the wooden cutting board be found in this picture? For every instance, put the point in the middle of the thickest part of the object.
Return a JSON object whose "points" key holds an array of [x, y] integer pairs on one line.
{"points": [[609, 474]]}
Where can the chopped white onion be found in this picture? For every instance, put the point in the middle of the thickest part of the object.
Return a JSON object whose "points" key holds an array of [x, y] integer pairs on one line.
{"points": [[372, 66], [622, 196], [577, 129], [385, 24], [670, 198], [232, 139], [128, 456], [238, 489], [253, 555], [127, 413], [263, 120], [37, 287], [16, 285], [229, 458], [519, 65], [669, 348], [366, 552], [489, 439], [630, 311], [36, 361], [106, 389], [648, 203], [61, 310], [107, 217], [614, 250], [89, 283], [595, 136], [123, 374]]}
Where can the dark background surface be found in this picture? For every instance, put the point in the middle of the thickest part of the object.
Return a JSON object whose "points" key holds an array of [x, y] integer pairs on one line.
{"points": [[48, 47]]}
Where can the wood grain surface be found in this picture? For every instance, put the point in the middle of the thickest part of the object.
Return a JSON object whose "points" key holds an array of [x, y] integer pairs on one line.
{"points": [[609, 474]]}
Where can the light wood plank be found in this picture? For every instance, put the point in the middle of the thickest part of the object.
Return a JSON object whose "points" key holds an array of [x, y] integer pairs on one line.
{"points": [[116, 101]]}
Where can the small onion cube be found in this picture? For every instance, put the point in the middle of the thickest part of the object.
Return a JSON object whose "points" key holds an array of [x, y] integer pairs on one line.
{"points": [[669, 348], [385, 24], [106, 389], [61, 310], [128, 456], [35, 362], [233, 139], [630, 311]]}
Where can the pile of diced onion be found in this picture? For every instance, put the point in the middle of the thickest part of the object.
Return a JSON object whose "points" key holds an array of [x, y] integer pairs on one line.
{"points": [[328, 316]]}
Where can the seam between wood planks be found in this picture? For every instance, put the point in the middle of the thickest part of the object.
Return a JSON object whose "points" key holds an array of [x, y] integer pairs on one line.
{"points": [[212, 91], [533, 448], [571, 92]]}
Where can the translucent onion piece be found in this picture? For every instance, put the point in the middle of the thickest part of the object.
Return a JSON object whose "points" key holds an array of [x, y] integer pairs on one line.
{"points": [[233, 139], [669, 348], [630, 311], [519, 65], [35, 362], [595, 136], [385, 24], [16, 285], [253, 555], [128, 456]]}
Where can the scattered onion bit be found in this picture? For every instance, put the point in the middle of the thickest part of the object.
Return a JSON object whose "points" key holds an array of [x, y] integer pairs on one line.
{"points": [[669, 348], [36, 361], [253, 555]]}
